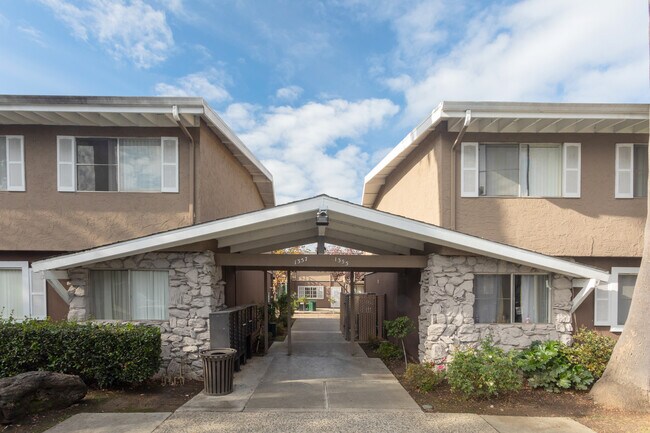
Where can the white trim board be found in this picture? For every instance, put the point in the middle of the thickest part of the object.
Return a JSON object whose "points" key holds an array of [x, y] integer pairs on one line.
{"points": [[340, 211]]}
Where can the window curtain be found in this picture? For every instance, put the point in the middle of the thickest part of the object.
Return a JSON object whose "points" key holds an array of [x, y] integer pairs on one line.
{"points": [[109, 293], [492, 302], [11, 293], [534, 298], [140, 164], [500, 166], [544, 177], [150, 291], [625, 290], [640, 170]]}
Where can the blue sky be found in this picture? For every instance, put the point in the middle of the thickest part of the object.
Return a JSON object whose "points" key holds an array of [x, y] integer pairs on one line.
{"points": [[320, 91]]}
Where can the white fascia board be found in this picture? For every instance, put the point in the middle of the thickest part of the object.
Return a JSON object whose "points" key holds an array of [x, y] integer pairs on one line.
{"points": [[339, 211], [156, 109], [182, 236], [445, 237], [232, 137], [377, 175]]}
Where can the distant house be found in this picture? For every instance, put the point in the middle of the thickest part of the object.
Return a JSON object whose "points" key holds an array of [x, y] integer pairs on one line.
{"points": [[565, 180]]}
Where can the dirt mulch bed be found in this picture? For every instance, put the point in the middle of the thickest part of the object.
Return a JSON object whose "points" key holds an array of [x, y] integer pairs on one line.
{"points": [[527, 402], [149, 397]]}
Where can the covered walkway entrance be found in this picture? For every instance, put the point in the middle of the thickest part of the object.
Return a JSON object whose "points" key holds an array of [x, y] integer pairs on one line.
{"points": [[325, 373]]}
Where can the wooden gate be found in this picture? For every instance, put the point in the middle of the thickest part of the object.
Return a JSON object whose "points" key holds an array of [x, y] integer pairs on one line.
{"points": [[368, 316]]}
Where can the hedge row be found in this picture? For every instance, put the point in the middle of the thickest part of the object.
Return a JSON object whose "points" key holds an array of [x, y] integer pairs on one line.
{"points": [[104, 355]]}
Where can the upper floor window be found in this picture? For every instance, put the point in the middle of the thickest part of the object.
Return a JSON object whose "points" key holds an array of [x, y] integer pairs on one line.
{"points": [[12, 163], [631, 170], [118, 164], [612, 301], [520, 170], [506, 298]]}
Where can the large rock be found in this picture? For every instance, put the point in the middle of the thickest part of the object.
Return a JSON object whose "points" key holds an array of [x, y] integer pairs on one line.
{"points": [[38, 390]]}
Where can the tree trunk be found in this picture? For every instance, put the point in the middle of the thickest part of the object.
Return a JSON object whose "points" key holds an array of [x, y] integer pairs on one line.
{"points": [[626, 381]]}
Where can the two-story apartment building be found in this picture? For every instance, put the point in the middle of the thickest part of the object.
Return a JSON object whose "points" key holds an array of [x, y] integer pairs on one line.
{"points": [[565, 180], [79, 172]]}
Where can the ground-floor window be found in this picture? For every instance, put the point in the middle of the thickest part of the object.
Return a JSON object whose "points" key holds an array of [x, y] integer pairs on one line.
{"points": [[612, 301], [11, 293], [129, 295], [311, 292], [511, 298]]}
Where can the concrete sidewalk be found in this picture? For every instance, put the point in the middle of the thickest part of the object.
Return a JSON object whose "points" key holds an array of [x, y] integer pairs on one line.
{"points": [[363, 421]]}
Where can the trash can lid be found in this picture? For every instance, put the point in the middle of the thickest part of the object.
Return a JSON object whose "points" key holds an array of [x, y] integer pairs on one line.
{"points": [[214, 353]]}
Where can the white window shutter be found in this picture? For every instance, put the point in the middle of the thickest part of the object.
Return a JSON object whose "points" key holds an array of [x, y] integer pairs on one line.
{"points": [[624, 170], [37, 295], [65, 159], [320, 292], [301, 291], [469, 170], [602, 305], [15, 163], [571, 161], [169, 164]]}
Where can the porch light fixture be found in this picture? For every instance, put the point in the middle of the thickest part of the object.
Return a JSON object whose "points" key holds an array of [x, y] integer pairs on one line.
{"points": [[321, 218]]}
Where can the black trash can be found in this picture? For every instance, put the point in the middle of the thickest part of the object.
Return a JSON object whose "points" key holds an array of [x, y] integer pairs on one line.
{"points": [[218, 370]]}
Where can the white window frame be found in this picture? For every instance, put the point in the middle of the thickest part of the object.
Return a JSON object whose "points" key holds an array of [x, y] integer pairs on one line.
{"points": [[24, 268], [119, 164], [612, 290], [319, 289], [564, 193], [512, 297]]}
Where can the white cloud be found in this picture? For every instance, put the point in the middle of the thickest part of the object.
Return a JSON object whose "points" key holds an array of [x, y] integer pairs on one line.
{"points": [[32, 33], [131, 30], [209, 84], [289, 93], [314, 148], [577, 51]]}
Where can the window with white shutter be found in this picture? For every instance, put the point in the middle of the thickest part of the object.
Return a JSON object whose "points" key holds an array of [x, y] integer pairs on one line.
{"points": [[601, 305], [571, 166], [631, 170], [469, 170], [12, 163], [65, 160], [624, 170], [169, 164], [37, 295]]}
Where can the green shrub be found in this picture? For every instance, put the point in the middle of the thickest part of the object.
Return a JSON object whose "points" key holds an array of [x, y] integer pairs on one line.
{"points": [[400, 328], [484, 372], [547, 366], [106, 355], [388, 351], [591, 350], [424, 377]]}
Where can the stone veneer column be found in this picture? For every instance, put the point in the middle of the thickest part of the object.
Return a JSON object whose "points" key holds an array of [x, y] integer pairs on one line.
{"points": [[196, 289], [447, 308]]}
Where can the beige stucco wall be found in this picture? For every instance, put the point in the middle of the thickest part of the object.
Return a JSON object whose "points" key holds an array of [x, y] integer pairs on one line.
{"points": [[596, 224], [412, 189], [42, 219], [224, 187]]}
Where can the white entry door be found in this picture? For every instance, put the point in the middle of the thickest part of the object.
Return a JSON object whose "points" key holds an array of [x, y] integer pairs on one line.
{"points": [[335, 293]]}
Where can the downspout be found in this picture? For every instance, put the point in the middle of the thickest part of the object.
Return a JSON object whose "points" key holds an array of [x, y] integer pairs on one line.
{"points": [[177, 118], [459, 138]]}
